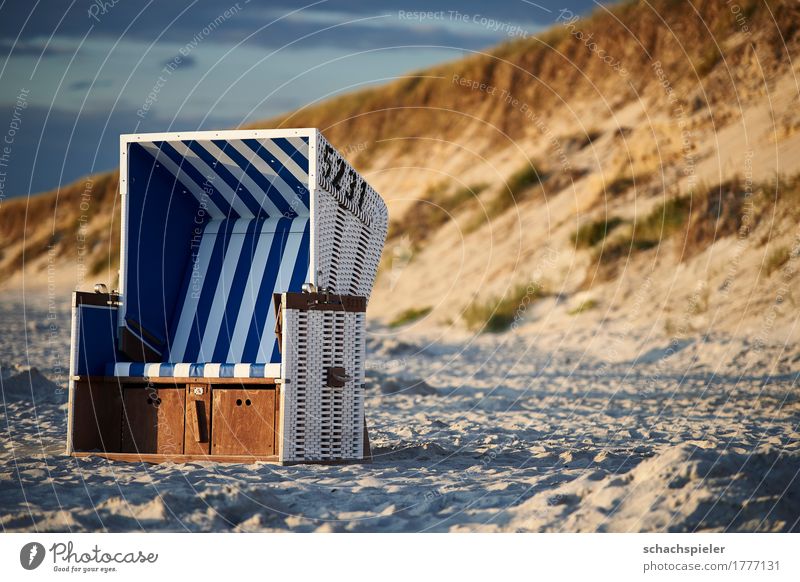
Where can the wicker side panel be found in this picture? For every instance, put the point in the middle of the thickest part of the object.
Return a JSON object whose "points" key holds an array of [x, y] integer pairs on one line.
{"points": [[348, 251], [324, 240], [322, 423], [351, 222]]}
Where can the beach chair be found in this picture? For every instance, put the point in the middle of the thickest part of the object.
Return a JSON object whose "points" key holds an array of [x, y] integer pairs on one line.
{"points": [[238, 332]]}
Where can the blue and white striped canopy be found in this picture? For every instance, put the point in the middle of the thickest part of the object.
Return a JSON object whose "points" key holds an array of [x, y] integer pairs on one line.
{"points": [[240, 178]]}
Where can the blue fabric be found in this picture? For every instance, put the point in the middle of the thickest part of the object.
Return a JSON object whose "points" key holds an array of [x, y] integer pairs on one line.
{"points": [[286, 244], [268, 189], [292, 152], [96, 341], [237, 290], [264, 304], [222, 172], [197, 310], [191, 175], [161, 223], [199, 179], [210, 280]]}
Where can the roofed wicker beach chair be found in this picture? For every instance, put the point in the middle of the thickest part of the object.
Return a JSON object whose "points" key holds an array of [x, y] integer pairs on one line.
{"points": [[238, 332]]}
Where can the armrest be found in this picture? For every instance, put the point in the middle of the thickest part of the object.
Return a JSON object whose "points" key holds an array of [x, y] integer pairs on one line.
{"points": [[323, 342]]}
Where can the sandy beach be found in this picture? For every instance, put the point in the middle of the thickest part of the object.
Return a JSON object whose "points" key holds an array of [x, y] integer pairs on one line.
{"points": [[481, 433]]}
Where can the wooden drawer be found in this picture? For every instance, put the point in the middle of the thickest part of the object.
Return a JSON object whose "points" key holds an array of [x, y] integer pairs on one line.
{"points": [[243, 421], [152, 419]]}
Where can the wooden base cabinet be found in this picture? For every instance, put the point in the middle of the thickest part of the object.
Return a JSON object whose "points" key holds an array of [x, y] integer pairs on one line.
{"points": [[180, 420]]}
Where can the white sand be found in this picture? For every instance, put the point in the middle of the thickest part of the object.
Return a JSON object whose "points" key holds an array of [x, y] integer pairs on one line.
{"points": [[503, 433]]}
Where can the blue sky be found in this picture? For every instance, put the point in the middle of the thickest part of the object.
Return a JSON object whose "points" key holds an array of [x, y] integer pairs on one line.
{"points": [[89, 70]]}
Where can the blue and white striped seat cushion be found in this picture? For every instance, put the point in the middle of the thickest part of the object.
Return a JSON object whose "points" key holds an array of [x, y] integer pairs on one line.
{"points": [[197, 370]]}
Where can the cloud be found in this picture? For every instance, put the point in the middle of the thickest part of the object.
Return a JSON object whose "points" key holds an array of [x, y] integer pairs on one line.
{"points": [[180, 62], [32, 48], [87, 84]]}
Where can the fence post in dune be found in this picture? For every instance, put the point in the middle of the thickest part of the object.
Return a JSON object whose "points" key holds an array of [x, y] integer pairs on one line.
{"points": [[247, 259]]}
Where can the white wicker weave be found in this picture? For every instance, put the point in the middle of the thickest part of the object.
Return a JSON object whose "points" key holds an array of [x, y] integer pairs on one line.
{"points": [[320, 422], [349, 224], [351, 221]]}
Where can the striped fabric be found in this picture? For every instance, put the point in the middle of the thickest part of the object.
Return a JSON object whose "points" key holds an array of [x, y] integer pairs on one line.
{"points": [[247, 178], [255, 242], [195, 370], [224, 325], [226, 314]]}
